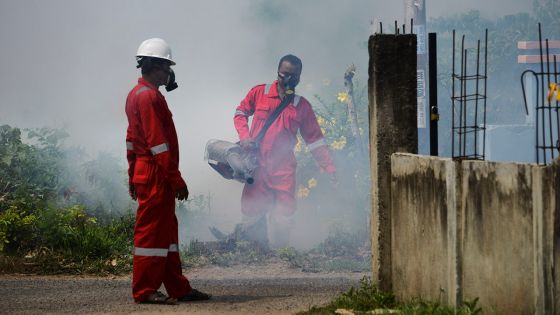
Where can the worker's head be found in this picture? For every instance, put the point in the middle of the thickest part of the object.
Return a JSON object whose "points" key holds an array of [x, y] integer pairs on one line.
{"points": [[154, 57], [289, 71]]}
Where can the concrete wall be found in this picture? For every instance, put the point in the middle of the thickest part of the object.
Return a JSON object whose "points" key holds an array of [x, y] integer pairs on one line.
{"points": [[470, 229], [392, 112], [450, 231], [421, 216]]}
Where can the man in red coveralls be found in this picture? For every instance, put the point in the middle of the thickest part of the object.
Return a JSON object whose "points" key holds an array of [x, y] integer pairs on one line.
{"points": [[273, 192], [155, 181]]}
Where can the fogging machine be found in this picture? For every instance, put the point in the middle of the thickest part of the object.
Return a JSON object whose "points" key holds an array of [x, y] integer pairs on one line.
{"points": [[231, 161]]}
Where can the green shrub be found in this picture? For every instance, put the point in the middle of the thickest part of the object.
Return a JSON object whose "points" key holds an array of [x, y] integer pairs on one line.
{"points": [[17, 231], [41, 227], [66, 239]]}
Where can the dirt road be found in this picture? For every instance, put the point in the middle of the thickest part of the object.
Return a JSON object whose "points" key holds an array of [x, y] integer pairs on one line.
{"points": [[267, 289]]}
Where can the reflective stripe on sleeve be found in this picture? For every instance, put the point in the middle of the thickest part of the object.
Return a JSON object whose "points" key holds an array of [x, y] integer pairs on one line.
{"points": [[173, 248], [240, 112], [159, 148], [319, 143], [129, 146], [142, 89], [156, 252]]}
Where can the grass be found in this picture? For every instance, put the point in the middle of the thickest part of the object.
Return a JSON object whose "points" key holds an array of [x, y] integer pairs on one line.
{"points": [[64, 240], [367, 298]]}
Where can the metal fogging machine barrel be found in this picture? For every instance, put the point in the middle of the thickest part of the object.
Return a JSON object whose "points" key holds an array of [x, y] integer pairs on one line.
{"points": [[231, 161]]}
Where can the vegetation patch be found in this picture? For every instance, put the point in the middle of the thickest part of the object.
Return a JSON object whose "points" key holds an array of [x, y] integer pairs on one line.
{"points": [[367, 299], [64, 240], [340, 251], [49, 221]]}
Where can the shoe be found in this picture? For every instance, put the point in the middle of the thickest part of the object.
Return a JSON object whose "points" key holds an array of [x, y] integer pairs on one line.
{"points": [[158, 298], [194, 295]]}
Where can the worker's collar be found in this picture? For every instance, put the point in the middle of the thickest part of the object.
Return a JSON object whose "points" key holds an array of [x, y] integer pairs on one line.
{"points": [[273, 92], [147, 83]]}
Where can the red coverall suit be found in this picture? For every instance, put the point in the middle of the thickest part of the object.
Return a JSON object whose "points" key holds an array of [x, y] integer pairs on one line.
{"points": [[274, 186], [153, 159]]}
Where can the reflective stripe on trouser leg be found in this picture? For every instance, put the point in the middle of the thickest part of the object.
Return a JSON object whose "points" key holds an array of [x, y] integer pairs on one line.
{"points": [[155, 233]]}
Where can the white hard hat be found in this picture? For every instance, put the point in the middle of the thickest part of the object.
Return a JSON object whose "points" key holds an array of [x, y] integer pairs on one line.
{"points": [[155, 47]]}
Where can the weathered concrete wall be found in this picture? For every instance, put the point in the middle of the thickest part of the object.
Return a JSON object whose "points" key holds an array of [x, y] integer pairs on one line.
{"points": [[470, 229], [551, 237], [498, 235], [423, 261], [392, 112]]}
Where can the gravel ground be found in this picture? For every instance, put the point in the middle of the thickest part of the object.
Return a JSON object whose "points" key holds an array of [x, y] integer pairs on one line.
{"points": [[258, 289]]}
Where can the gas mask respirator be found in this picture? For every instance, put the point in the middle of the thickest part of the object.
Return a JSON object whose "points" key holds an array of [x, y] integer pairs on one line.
{"points": [[171, 84], [289, 82]]}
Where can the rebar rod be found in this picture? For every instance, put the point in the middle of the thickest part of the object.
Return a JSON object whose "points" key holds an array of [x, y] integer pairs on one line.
{"points": [[460, 82], [542, 95], [485, 90], [476, 100], [557, 112], [549, 109], [453, 99], [464, 100]]}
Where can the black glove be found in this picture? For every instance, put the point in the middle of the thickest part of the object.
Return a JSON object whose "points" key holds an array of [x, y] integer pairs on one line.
{"points": [[132, 191], [182, 193]]}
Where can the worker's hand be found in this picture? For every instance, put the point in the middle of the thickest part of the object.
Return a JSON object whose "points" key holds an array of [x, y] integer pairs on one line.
{"points": [[132, 191], [248, 145], [182, 193]]}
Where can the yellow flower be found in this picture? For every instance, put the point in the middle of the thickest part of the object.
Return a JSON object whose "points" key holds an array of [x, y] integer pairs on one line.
{"points": [[297, 148], [342, 97], [339, 144], [311, 183], [321, 121], [302, 192]]}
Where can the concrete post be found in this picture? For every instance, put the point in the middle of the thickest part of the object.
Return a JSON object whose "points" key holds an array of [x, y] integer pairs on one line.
{"points": [[393, 128]]}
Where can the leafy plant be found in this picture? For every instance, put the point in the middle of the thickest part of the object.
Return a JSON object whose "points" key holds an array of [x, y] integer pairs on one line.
{"points": [[367, 298]]}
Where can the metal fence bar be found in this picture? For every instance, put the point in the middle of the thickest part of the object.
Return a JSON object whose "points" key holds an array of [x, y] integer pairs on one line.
{"points": [[453, 100], [485, 87], [547, 126]]}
